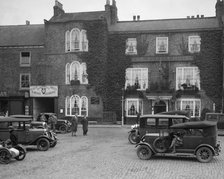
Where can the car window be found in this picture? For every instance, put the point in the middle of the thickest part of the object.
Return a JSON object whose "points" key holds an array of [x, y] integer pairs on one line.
{"points": [[3, 125], [197, 132], [163, 122], [177, 121], [151, 122]]}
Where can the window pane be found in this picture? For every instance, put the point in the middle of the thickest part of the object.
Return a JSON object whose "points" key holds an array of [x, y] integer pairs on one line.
{"points": [[132, 108]]}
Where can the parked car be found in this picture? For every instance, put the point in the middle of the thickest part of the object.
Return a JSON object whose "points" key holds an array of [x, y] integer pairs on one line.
{"points": [[198, 139], [218, 117], [62, 125], [42, 138], [153, 123]]}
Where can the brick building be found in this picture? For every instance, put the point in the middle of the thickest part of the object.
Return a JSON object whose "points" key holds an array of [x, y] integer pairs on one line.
{"points": [[50, 67]]}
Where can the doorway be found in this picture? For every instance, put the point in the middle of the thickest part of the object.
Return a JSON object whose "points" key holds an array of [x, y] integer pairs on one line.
{"points": [[159, 107]]}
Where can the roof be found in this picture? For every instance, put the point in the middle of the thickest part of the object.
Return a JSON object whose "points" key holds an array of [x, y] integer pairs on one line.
{"points": [[163, 116], [11, 119], [79, 16], [165, 25], [194, 125], [22, 35]]}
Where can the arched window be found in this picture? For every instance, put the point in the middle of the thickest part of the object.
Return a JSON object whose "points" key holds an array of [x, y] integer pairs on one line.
{"points": [[84, 74], [84, 105], [67, 73], [84, 40], [67, 41], [75, 105], [75, 71], [75, 40], [67, 106]]}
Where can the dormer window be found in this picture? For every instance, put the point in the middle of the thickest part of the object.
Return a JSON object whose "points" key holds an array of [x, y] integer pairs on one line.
{"points": [[194, 44], [131, 46], [161, 45]]}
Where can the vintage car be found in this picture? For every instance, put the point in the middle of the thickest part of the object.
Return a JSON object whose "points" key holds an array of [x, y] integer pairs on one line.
{"points": [[153, 123], [42, 138], [62, 125], [195, 139]]}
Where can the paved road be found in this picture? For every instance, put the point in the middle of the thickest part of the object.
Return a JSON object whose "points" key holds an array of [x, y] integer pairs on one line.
{"points": [[105, 153]]}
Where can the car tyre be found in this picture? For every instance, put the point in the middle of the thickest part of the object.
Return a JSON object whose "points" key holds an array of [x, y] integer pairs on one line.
{"points": [[144, 152], [204, 154], [43, 144], [133, 138], [63, 129], [22, 153], [5, 156], [161, 144]]}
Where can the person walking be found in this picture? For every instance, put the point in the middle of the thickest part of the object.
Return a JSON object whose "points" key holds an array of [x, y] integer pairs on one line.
{"points": [[84, 125], [53, 121], [74, 121]]}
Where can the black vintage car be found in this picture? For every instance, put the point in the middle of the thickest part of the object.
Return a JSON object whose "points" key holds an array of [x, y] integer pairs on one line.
{"points": [[42, 138], [195, 139], [62, 125], [152, 124]]}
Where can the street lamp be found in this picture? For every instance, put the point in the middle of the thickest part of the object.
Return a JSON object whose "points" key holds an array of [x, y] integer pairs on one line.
{"points": [[122, 108]]}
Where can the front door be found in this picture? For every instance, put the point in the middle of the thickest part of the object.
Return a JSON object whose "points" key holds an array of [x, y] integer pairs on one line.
{"points": [[159, 107]]}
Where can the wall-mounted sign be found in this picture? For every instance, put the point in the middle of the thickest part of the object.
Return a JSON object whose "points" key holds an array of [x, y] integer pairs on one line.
{"points": [[43, 91]]}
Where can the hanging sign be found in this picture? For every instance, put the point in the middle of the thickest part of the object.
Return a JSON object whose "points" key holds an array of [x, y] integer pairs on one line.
{"points": [[43, 91]]}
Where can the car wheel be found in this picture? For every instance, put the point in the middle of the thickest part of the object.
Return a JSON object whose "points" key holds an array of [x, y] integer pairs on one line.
{"points": [[22, 153], [63, 129], [204, 154], [133, 138], [5, 156], [144, 152], [161, 144], [43, 144], [53, 144]]}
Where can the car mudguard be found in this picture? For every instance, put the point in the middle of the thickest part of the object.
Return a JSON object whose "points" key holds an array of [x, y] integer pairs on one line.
{"points": [[133, 130], [205, 145], [148, 145], [40, 137]]}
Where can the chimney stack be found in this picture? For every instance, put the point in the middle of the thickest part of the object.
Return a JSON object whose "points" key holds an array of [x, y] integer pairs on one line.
{"points": [[58, 8]]}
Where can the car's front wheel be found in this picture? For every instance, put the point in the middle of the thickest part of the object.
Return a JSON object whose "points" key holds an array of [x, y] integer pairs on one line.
{"points": [[5, 156], [204, 154], [144, 152], [133, 138], [43, 144], [63, 129], [22, 153]]}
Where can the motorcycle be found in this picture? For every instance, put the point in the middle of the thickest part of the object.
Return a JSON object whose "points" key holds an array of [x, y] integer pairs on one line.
{"points": [[133, 136], [9, 152]]}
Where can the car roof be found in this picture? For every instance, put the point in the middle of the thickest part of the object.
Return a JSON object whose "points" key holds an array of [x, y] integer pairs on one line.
{"points": [[12, 119], [163, 116], [194, 125], [21, 116]]}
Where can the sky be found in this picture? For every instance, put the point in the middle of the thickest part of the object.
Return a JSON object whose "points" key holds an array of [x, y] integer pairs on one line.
{"points": [[16, 12]]}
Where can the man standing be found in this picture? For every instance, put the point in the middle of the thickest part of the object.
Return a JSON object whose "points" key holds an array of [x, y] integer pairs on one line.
{"points": [[85, 125], [74, 126]]}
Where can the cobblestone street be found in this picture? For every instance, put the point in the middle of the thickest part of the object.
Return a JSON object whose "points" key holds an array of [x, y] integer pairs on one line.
{"points": [[106, 153]]}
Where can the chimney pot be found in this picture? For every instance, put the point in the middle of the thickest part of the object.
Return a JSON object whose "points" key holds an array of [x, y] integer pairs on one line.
{"points": [[27, 22], [134, 18], [138, 17], [202, 16], [192, 17], [188, 17], [198, 16]]}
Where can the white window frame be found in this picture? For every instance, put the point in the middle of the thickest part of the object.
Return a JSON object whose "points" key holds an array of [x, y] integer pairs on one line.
{"points": [[67, 41], [20, 81], [139, 106], [190, 43], [189, 100], [69, 103], [131, 46], [75, 43], [27, 59], [181, 80], [143, 77], [84, 41], [158, 41], [67, 73]]}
